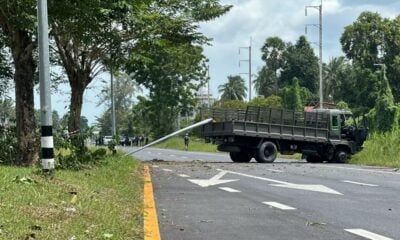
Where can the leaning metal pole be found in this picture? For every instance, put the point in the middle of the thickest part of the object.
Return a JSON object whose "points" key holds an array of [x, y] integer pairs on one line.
{"points": [[172, 134], [47, 144]]}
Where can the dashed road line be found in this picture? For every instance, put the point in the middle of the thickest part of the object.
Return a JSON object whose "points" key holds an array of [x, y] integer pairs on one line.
{"points": [[155, 166], [172, 155], [275, 170], [360, 183], [167, 170], [228, 189], [183, 175], [366, 234], [279, 206], [360, 169]]}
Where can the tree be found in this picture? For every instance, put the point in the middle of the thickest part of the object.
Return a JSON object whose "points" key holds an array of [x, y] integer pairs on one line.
{"points": [[271, 101], [266, 82], [333, 76], [234, 89], [291, 96], [362, 41], [300, 63], [124, 90], [18, 29], [5, 66], [88, 32], [272, 55]]}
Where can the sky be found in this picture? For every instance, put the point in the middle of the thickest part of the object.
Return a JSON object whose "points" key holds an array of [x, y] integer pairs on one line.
{"points": [[256, 20]]}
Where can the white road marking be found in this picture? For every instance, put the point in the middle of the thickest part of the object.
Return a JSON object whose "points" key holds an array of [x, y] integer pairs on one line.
{"points": [[279, 205], [184, 157], [367, 234], [228, 189], [155, 166], [212, 181], [359, 183], [172, 155], [275, 170], [307, 187], [167, 170], [183, 175], [360, 169]]}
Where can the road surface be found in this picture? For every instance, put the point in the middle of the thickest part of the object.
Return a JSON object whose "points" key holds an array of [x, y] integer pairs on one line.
{"points": [[206, 196]]}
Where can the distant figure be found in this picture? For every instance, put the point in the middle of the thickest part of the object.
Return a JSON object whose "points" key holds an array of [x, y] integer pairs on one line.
{"points": [[126, 141], [146, 140], [186, 140], [141, 139]]}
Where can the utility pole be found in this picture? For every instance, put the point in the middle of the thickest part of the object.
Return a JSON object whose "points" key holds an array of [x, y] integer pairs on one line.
{"points": [[47, 144], [249, 61], [319, 8], [208, 85], [113, 130]]}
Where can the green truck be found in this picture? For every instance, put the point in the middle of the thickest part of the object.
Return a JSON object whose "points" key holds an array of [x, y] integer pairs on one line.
{"points": [[260, 133]]}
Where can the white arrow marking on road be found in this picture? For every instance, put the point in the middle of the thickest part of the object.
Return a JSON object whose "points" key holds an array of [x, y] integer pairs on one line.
{"points": [[279, 206], [367, 234], [212, 181], [307, 187]]}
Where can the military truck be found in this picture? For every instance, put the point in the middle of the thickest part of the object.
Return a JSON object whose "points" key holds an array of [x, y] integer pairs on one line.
{"points": [[260, 133]]}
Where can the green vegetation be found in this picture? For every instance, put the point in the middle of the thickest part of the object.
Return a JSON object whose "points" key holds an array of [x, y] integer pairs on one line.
{"points": [[380, 150], [195, 144], [101, 203]]}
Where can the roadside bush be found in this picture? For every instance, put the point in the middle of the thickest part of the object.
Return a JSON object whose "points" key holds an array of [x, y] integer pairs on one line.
{"points": [[74, 155], [8, 145]]}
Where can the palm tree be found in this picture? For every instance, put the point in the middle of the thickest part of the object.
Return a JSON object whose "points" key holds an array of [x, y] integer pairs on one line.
{"points": [[234, 89], [333, 74]]}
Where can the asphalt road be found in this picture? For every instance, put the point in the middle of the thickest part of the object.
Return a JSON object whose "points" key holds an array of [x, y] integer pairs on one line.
{"points": [[206, 196]]}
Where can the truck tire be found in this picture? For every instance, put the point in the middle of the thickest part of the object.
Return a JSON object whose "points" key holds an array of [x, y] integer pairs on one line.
{"points": [[266, 153], [341, 156], [314, 159], [241, 157]]}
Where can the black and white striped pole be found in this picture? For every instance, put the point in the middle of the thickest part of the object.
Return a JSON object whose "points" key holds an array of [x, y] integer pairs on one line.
{"points": [[46, 140]]}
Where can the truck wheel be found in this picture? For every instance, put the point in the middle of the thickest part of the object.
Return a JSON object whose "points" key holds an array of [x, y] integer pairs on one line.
{"points": [[241, 157], [266, 153], [314, 159], [341, 156]]}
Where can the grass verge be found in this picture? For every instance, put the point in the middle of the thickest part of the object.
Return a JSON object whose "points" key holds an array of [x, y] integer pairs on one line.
{"points": [[380, 150], [104, 202], [195, 144]]}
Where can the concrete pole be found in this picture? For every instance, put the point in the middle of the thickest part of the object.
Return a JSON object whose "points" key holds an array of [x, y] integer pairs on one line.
{"points": [[321, 96], [113, 130], [251, 40], [47, 144], [208, 86]]}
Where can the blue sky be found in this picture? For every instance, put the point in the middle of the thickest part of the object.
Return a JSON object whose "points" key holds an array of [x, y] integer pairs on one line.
{"points": [[256, 19]]}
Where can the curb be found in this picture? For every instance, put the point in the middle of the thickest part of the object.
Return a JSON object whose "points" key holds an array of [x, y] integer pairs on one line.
{"points": [[150, 226]]}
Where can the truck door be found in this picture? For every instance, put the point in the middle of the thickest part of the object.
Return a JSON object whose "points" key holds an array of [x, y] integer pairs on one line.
{"points": [[335, 126]]}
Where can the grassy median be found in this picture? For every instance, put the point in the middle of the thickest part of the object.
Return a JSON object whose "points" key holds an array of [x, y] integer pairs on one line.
{"points": [[104, 202], [195, 144]]}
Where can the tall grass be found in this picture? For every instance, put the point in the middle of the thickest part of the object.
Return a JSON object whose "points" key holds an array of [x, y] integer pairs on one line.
{"points": [[104, 202], [380, 150]]}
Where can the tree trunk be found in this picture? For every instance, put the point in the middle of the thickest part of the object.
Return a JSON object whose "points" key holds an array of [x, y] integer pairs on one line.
{"points": [[77, 90], [25, 66]]}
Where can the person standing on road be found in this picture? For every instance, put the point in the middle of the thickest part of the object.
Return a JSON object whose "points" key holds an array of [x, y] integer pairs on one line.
{"points": [[186, 141]]}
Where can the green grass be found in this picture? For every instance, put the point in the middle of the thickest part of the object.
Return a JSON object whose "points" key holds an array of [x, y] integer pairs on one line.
{"points": [[195, 144], [380, 150], [107, 205]]}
